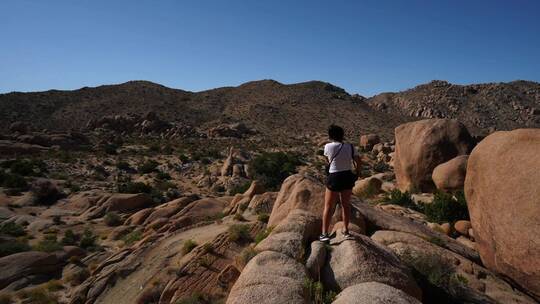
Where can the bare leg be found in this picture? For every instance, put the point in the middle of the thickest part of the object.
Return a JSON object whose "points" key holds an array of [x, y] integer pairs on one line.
{"points": [[346, 207], [330, 198]]}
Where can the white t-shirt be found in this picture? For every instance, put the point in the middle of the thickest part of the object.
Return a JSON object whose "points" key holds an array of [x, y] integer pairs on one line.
{"points": [[342, 161]]}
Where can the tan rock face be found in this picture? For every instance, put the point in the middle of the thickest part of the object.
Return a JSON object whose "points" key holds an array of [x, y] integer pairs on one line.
{"points": [[480, 284], [423, 145], [298, 192], [450, 175], [262, 203], [374, 293], [361, 260], [367, 187], [32, 267], [368, 141], [270, 277], [503, 195]]}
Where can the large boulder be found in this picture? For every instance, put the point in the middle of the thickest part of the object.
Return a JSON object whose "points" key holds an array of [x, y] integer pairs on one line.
{"points": [[503, 195], [423, 145], [368, 141], [361, 260], [292, 235], [21, 269], [262, 203], [462, 279], [374, 293], [270, 277], [298, 192], [367, 187], [450, 176]]}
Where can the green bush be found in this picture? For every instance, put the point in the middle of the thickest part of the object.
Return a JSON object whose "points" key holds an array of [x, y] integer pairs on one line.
{"points": [[239, 217], [163, 175], [112, 219], [381, 167], [110, 149], [132, 237], [239, 233], [88, 239], [195, 298], [262, 235], [446, 208], [263, 217], [122, 165], [25, 167], [188, 246], [148, 167], [8, 248], [272, 168], [70, 238], [240, 189], [48, 244], [12, 229], [247, 254], [404, 199], [14, 181], [317, 292], [137, 187]]}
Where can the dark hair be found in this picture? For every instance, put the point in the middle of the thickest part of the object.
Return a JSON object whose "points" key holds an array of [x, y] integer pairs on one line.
{"points": [[335, 133]]}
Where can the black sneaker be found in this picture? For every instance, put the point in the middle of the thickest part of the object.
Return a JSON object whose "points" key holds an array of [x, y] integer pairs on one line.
{"points": [[324, 237]]}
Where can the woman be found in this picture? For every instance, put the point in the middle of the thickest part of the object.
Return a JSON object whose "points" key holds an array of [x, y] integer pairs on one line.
{"points": [[340, 180]]}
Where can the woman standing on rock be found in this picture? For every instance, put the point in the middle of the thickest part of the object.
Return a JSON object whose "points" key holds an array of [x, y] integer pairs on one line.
{"points": [[340, 179]]}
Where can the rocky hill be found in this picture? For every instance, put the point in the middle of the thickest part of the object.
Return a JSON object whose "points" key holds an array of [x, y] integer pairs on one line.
{"points": [[481, 107], [267, 106]]}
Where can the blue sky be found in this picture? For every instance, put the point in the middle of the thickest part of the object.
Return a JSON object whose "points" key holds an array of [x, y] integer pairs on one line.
{"points": [[366, 47]]}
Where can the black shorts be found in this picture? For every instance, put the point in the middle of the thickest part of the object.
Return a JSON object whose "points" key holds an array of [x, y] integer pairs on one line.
{"points": [[340, 181]]}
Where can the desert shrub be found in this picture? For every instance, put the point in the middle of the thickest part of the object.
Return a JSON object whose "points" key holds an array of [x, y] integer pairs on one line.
{"points": [[110, 149], [239, 189], [165, 185], [123, 165], [54, 285], [271, 168], [25, 167], [137, 187], [38, 295], [263, 234], [205, 261], [112, 219], [88, 240], [247, 254], [447, 208], [163, 175], [148, 167], [188, 246], [70, 238], [239, 233], [437, 271], [48, 244], [6, 298], [404, 199], [263, 217], [14, 181], [208, 248], [12, 229], [8, 248], [239, 217], [317, 293], [381, 167], [77, 277], [132, 237]]}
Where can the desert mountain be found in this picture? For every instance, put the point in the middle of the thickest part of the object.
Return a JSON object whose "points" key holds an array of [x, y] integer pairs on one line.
{"points": [[267, 106]]}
